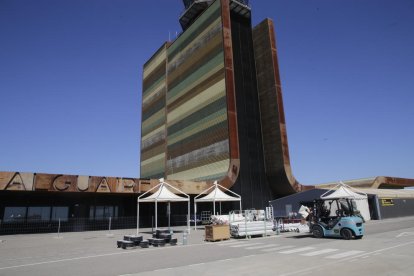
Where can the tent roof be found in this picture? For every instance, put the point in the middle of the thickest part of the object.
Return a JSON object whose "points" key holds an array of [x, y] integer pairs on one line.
{"points": [[163, 194], [343, 192], [217, 195]]}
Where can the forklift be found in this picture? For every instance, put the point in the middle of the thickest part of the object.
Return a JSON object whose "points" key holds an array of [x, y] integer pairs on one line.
{"points": [[335, 218]]}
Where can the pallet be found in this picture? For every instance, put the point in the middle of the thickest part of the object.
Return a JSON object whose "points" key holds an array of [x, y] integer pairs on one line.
{"points": [[217, 240]]}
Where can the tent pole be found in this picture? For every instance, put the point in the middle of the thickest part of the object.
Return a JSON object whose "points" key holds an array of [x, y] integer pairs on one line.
{"points": [[156, 214], [220, 207], [169, 213], [188, 216], [137, 218], [214, 207], [195, 216]]}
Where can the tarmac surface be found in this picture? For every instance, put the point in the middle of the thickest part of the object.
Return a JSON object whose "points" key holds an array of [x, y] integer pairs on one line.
{"points": [[386, 249]]}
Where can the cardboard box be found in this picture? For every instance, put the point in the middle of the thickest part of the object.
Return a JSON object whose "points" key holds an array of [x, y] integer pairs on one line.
{"points": [[217, 232]]}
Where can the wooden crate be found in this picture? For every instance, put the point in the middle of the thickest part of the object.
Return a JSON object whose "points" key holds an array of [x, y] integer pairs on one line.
{"points": [[217, 232]]}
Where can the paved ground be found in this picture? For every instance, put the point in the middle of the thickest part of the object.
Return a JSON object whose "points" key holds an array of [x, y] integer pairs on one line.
{"points": [[387, 249]]}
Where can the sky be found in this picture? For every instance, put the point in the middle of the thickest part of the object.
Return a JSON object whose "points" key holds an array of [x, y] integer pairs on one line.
{"points": [[71, 84]]}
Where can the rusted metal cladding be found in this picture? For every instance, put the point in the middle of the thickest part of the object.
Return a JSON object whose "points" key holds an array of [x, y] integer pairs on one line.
{"points": [[275, 143], [43, 182], [386, 182], [15, 181], [80, 183], [251, 182], [234, 167], [378, 182]]}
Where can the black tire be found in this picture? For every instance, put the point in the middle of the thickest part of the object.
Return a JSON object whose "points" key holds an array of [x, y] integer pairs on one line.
{"points": [[317, 231], [346, 234]]}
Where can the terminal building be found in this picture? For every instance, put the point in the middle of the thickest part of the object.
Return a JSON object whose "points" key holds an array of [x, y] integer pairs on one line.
{"points": [[212, 110]]}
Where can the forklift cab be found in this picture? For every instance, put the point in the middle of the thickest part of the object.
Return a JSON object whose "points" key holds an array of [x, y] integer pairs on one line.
{"points": [[336, 218]]}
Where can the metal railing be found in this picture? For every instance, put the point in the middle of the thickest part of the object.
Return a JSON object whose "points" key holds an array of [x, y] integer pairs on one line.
{"points": [[26, 226]]}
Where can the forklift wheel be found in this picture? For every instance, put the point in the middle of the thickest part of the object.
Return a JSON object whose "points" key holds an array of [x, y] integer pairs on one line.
{"points": [[317, 231], [346, 234]]}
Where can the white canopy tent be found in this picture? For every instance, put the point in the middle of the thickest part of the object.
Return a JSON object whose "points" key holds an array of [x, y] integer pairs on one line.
{"points": [[162, 193], [344, 191], [216, 195]]}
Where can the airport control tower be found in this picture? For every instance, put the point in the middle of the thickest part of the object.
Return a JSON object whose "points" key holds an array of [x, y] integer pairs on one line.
{"points": [[212, 105]]}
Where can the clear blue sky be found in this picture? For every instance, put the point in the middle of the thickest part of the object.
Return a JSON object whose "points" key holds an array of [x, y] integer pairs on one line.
{"points": [[70, 84]]}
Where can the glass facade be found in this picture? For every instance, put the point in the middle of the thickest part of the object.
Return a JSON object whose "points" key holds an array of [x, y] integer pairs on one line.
{"points": [[38, 213], [103, 212], [35, 213], [197, 133], [60, 212], [184, 110], [153, 116], [14, 214]]}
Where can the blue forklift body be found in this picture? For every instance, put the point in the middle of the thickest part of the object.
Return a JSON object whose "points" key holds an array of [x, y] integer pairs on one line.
{"points": [[353, 223]]}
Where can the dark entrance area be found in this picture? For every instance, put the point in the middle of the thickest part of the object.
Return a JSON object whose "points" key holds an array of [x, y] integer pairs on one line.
{"points": [[41, 212]]}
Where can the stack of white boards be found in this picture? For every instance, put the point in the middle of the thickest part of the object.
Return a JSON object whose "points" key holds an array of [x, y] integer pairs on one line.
{"points": [[251, 228]]}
